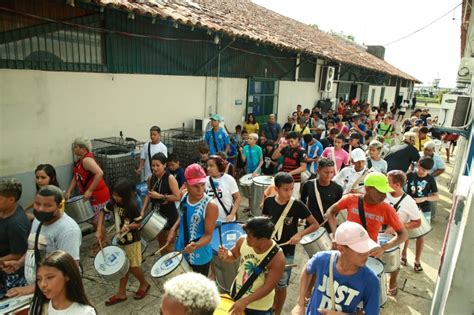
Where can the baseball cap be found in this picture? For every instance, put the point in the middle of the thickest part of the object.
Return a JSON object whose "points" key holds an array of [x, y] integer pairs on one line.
{"points": [[379, 181], [216, 117], [195, 174], [358, 155], [355, 236]]}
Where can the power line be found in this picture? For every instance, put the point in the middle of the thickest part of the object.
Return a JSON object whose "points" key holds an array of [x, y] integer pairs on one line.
{"points": [[422, 28]]}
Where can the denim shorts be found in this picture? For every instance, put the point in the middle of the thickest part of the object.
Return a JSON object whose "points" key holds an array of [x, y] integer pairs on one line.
{"points": [[285, 278]]}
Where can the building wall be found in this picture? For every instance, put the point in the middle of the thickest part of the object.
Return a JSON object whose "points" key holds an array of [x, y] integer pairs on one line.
{"points": [[294, 93], [374, 93]]}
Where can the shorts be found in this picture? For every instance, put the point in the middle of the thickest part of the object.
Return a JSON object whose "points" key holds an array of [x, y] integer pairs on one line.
{"points": [[134, 253], [257, 312], [427, 216], [285, 278], [202, 269]]}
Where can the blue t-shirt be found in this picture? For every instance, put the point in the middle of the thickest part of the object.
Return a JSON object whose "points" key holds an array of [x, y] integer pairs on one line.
{"points": [[349, 290], [221, 140], [179, 175], [253, 156], [196, 214], [438, 163], [314, 150], [272, 131]]}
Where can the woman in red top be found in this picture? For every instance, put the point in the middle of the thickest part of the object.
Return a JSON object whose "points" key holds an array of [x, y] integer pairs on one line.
{"points": [[88, 176]]}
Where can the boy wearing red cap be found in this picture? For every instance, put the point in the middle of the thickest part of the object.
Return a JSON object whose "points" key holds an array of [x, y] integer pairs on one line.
{"points": [[197, 221]]}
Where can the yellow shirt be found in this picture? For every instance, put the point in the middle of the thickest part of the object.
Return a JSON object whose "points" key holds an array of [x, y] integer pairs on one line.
{"points": [[249, 260], [251, 128], [419, 143], [304, 132]]}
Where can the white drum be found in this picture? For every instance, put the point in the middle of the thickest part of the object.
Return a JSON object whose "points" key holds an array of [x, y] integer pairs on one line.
{"points": [[391, 256], [420, 231], [16, 305], [377, 266], [144, 243], [317, 241], [111, 263], [246, 185], [169, 266], [260, 183]]}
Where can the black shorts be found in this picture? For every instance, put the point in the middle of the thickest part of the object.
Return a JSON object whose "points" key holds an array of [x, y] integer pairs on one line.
{"points": [[202, 269]]}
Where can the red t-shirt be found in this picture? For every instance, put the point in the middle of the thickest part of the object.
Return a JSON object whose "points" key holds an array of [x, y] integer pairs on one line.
{"points": [[84, 179], [375, 215]]}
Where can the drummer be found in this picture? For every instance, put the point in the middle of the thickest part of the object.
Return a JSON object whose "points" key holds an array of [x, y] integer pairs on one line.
{"points": [[163, 192], [88, 176], [408, 212], [285, 211], [328, 191], [354, 282], [257, 295], [14, 230], [376, 211], [351, 178], [57, 231], [222, 188], [196, 222]]}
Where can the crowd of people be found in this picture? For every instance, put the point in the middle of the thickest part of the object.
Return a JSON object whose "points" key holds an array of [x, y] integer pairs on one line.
{"points": [[354, 160]]}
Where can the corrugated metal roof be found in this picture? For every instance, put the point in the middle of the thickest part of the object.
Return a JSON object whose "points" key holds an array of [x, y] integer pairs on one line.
{"points": [[242, 18]]}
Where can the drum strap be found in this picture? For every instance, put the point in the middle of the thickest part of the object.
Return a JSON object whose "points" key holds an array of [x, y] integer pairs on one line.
{"points": [[359, 179], [213, 185], [276, 235], [37, 251], [214, 141], [334, 159], [362, 213], [257, 271], [318, 198], [331, 280], [397, 205], [149, 156]]}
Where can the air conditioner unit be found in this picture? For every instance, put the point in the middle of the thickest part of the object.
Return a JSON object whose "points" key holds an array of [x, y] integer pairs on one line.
{"points": [[327, 79], [466, 68], [204, 124]]}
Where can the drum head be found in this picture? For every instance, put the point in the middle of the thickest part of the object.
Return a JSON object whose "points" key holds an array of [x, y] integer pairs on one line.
{"points": [[263, 180], [114, 256], [311, 237], [246, 180], [384, 238], [75, 198], [165, 265], [231, 232], [376, 265]]}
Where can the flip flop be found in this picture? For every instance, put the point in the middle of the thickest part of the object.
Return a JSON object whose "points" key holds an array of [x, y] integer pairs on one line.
{"points": [[417, 267], [403, 261], [114, 300], [140, 294]]}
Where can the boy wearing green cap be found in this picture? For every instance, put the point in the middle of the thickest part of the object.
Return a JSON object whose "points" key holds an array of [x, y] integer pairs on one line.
{"points": [[371, 211], [216, 138]]}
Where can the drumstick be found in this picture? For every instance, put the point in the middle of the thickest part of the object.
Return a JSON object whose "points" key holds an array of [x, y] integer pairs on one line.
{"points": [[291, 266], [101, 249], [159, 250], [219, 228]]}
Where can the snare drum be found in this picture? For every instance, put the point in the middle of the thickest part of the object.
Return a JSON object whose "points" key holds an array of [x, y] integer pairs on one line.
{"points": [[246, 185], [224, 306], [16, 305], [79, 209], [152, 225], [376, 265], [169, 266], [260, 183], [111, 263], [391, 256], [142, 241], [317, 241], [420, 231], [225, 271]]}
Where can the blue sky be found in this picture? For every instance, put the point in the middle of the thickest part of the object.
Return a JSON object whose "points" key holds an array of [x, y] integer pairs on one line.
{"points": [[431, 53]]}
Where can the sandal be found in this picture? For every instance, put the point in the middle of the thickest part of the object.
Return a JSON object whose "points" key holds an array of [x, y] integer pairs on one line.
{"points": [[392, 291], [114, 300], [140, 294], [403, 261], [417, 267]]}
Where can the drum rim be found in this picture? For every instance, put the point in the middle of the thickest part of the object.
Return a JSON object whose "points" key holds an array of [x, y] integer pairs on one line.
{"points": [[380, 261], [171, 270], [248, 178], [412, 238], [99, 254], [307, 236], [75, 198], [391, 249], [255, 180]]}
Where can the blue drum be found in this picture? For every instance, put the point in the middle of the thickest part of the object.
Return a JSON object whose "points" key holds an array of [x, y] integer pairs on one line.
{"points": [[225, 272]]}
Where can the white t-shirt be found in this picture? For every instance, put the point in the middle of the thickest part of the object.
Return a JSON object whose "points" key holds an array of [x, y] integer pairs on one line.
{"points": [[64, 234], [407, 209], [226, 186], [347, 177], [155, 148], [73, 309]]}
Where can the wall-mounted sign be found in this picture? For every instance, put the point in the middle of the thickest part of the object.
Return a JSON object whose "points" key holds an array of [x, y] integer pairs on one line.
{"points": [[238, 102]]}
